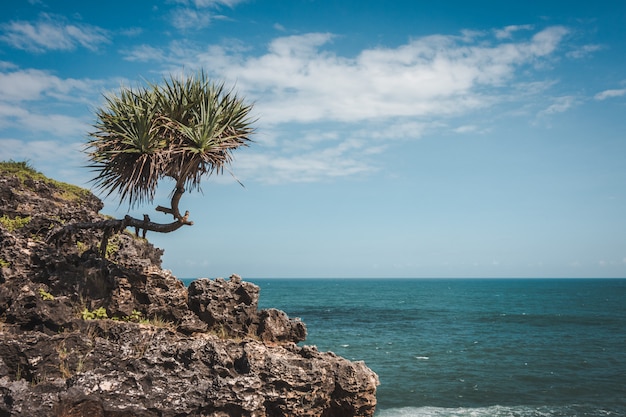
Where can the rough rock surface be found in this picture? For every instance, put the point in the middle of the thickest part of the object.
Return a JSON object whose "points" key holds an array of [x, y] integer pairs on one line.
{"points": [[85, 336]]}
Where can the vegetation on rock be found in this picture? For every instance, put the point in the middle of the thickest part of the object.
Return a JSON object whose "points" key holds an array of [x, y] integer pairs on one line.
{"points": [[27, 174], [86, 335], [14, 223]]}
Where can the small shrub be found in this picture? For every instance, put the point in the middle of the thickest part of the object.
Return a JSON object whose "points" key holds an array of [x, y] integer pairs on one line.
{"points": [[15, 223], [97, 314], [46, 296], [4, 264], [135, 316], [87, 315]]}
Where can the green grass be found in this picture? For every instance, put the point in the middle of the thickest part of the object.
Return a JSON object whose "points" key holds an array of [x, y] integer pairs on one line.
{"points": [[24, 171], [14, 223]]}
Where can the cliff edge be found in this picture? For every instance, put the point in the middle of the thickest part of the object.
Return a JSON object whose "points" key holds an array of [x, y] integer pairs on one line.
{"points": [[82, 334]]}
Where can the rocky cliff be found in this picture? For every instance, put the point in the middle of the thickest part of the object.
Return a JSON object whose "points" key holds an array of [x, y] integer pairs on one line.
{"points": [[83, 334]]}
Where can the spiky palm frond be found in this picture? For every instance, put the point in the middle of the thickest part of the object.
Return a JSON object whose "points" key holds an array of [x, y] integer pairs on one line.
{"points": [[183, 129], [124, 150], [206, 124], [216, 125]]}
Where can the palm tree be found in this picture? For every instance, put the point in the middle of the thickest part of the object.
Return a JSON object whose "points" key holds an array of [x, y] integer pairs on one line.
{"points": [[183, 129]]}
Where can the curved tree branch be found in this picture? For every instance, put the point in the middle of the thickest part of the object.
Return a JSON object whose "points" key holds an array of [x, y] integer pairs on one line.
{"points": [[174, 210], [110, 227]]}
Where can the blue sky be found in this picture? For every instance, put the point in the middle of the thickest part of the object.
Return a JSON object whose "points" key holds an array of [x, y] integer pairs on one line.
{"points": [[394, 138]]}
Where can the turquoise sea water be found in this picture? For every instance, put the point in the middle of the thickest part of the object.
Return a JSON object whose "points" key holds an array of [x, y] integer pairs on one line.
{"points": [[471, 347]]}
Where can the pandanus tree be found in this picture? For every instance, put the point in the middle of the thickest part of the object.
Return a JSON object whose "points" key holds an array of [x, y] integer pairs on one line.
{"points": [[182, 129]]}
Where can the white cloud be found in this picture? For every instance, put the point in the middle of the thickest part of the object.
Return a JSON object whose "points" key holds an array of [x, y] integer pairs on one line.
{"points": [[559, 105], [342, 160], [59, 125], [32, 84], [144, 53], [610, 94], [36, 101], [4, 65], [584, 51], [298, 80], [52, 32], [393, 93], [399, 129], [25, 85], [190, 18], [466, 129], [210, 3], [194, 13], [508, 31], [316, 155], [214, 3]]}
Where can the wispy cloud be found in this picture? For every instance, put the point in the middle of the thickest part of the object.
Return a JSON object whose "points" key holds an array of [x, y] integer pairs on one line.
{"points": [[299, 79], [37, 150], [406, 89], [144, 53], [559, 105], [190, 18], [33, 84], [610, 94], [59, 125], [341, 159], [210, 3], [198, 14], [508, 31], [466, 129], [52, 32], [583, 51], [27, 97]]}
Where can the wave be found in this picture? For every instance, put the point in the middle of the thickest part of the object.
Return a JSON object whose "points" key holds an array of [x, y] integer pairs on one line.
{"points": [[500, 411]]}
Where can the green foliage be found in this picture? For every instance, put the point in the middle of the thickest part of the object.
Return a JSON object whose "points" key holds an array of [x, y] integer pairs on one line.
{"points": [[112, 247], [138, 317], [4, 264], [81, 247], [182, 129], [135, 316], [97, 314], [13, 224], [46, 296], [24, 171]]}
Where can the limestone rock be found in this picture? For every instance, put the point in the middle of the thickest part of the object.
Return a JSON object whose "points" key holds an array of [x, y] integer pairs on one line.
{"points": [[158, 348]]}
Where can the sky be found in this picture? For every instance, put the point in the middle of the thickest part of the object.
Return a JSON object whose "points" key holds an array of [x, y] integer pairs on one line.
{"points": [[418, 139]]}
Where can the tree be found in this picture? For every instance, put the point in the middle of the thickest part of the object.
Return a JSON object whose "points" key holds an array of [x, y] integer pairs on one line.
{"points": [[183, 129]]}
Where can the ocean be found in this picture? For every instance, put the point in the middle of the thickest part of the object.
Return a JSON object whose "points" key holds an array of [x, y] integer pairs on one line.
{"points": [[472, 347]]}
